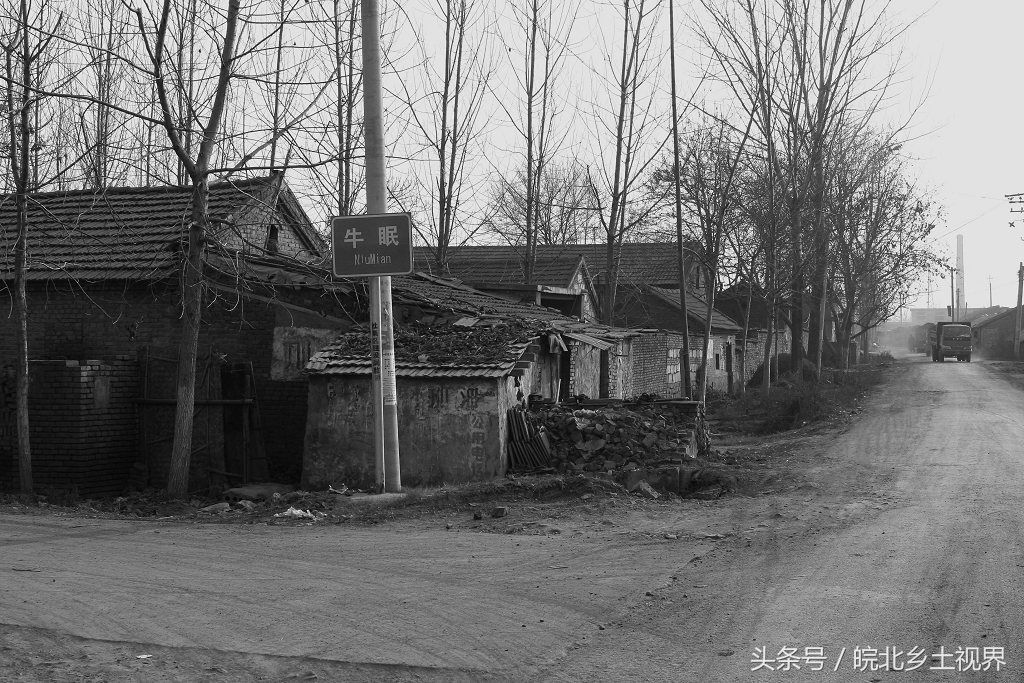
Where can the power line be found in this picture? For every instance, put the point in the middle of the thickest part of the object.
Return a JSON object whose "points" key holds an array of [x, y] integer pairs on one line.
{"points": [[976, 218]]}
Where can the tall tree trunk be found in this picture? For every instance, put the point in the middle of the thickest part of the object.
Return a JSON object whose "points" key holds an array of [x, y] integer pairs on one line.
{"points": [[685, 387], [702, 390], [192, 285], [822, 319], [746, 336], [770, 324], [796, 300], [20, 141], [192, 278], [817, 300], [22, 381]]}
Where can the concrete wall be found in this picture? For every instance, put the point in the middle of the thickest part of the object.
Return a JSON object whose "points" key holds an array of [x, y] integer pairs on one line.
{"points": [[450, 430], [585, 373]]}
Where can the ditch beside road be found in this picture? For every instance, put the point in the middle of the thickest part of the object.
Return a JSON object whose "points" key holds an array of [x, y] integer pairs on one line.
{"points": [[901, 530]]}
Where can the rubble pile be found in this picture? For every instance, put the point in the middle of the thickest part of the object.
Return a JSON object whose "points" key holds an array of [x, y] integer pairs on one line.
{"points": [[617, 437]]}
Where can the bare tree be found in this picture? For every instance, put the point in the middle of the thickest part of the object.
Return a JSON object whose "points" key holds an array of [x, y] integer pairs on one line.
{"points": [[197, 167], [103, 140], [803, 70], [561, 209], [631, 136], [537, 53], [26, 37], [449, 116], [882, 222], [707, 181], [344, 20]]}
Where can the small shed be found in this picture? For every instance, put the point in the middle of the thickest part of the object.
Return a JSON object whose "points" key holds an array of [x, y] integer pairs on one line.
{"points": [[456, 384]]}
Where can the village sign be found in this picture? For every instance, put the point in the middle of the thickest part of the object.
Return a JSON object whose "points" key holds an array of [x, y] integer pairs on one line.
{"points": [[372, 245]]}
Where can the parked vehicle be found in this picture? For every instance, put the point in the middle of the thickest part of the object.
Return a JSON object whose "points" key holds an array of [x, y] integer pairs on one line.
{"points": [[918, 340], [950, 340]]}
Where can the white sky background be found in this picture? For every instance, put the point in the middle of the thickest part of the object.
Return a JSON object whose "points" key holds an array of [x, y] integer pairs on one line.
{"points": [[962, 57], [972, 141]]}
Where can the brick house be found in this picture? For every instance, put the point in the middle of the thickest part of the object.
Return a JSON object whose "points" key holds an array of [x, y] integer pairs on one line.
{"points": [[561, 279], [104, 308], [457, 377], [994, 334], [647, 276], [456, 384]]}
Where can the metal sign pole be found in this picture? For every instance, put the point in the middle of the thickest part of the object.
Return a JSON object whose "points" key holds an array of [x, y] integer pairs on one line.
{"points": [[376, 203], [375, 382]]}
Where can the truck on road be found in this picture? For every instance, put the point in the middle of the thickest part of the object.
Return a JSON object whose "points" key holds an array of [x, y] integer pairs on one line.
{"points": [[950, 340]]}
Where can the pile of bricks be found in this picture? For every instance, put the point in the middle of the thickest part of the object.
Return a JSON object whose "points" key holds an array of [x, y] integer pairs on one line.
{"points": [[620, 436]]}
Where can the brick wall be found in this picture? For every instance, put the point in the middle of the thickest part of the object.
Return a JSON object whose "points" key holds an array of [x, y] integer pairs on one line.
{"points": [[83, 425], [650, 363], [8, 426], [118, 320]]}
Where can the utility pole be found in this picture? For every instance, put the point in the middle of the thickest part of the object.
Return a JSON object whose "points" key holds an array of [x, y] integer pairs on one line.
{"points": [[1020, 296], [990, 291], [376, 203], [685, 388], [952, 294]]}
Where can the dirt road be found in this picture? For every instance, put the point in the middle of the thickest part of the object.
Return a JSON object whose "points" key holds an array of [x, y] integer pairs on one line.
{"points": [[902, 533]]}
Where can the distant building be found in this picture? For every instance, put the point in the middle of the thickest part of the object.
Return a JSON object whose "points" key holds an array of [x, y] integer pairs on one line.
{"points": [[919, 316]]}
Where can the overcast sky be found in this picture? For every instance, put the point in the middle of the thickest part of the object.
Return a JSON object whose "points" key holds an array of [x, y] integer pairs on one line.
{"points": [[972, 145]]}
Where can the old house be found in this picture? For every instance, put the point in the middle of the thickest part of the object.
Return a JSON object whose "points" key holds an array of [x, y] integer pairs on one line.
{"points": [[994, 334], [456, 383], [649, 306], [646, 274], [104, 319], [559, 279], [463, 358]]}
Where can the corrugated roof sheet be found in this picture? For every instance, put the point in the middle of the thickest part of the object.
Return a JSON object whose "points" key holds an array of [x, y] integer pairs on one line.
{"points": [[591, 341], [123, 233]]}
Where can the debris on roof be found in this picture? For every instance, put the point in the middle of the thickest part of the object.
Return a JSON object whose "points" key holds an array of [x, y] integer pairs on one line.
{"points": [[433, 350], [449, 295]]}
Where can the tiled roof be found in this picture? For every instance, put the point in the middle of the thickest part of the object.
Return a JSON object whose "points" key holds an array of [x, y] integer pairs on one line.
{"points": [[498, 265], [735, 301], [696, 308], [124, 233], [990, 318], [421, 350], [485, 314], [435, 292], [639, 263]]}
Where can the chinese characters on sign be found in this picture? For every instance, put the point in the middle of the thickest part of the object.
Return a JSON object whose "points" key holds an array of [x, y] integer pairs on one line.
{"points": [[368, 246], [861, 659]]}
